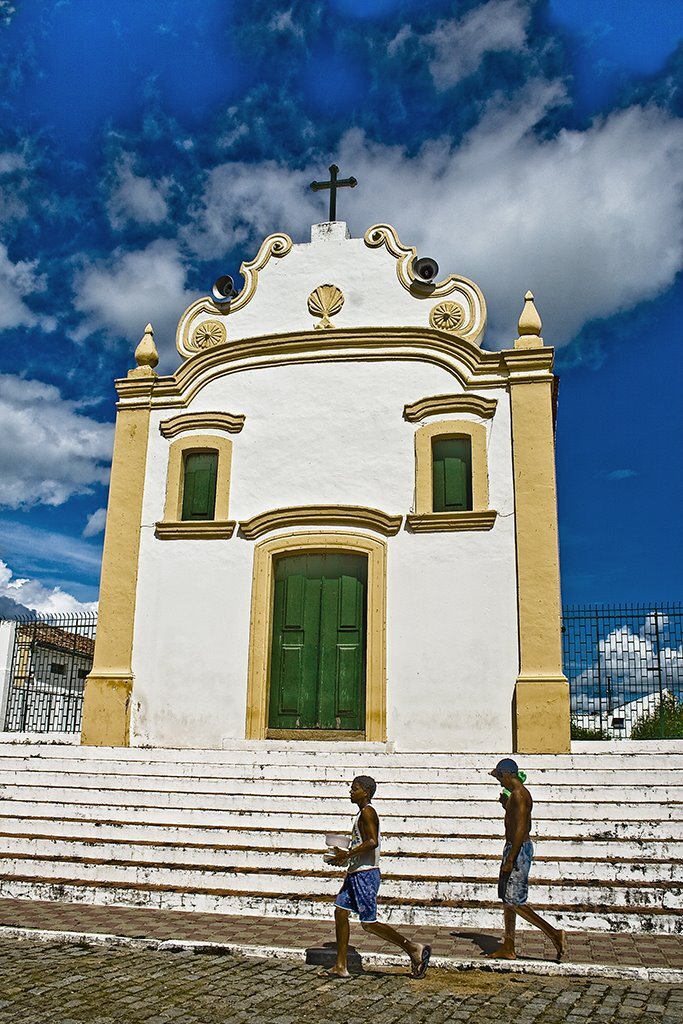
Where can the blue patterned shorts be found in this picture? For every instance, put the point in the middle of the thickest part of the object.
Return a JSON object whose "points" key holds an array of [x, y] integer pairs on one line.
{"points": [[359, 894], [516, 890]]}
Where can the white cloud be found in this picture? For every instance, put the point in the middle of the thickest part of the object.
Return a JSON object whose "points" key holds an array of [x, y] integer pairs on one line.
{"points": [[455, 47], [49, 451], [619, 474], [17, 282], [242, 203], [631, 660], [34, 595], [136, 198], [95, 523], [121, 294], [590, 220], [11, 160], [285, 23]]}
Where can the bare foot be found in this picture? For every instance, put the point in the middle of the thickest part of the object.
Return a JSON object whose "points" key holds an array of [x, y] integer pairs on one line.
{"points": [[560, 944], [504, 953], [337, 972], [415, 953]]}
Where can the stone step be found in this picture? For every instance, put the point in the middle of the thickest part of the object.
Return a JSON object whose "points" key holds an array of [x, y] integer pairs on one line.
{"points": [[359, 758], [235, 837], [470, 914], [443, 864], [439, 790], [666, 896], [242, 830], [213, 774], [307, 803], [414, 824]]}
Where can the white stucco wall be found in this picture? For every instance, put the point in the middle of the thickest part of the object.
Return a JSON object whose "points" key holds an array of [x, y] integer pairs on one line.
{"points": [[331, 433]]}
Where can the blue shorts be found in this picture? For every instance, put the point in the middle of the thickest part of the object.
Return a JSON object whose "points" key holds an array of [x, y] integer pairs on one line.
{"points": [[359, 894], [514, 888]]}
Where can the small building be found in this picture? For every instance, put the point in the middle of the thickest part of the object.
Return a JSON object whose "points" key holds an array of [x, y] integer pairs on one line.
{"points": [[337, 520], [47, 665]]}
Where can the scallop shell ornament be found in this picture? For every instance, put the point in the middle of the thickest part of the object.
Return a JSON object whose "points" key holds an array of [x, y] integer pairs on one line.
{"points": [[325, 301]]}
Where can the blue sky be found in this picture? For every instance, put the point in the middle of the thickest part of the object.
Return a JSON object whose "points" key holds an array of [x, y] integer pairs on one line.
{"points": [[145, 148]]}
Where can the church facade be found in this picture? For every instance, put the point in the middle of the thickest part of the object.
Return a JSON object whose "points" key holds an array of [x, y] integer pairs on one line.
{"points": [[337, 520]]}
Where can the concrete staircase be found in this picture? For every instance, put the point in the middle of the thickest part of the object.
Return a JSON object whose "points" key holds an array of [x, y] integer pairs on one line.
{"points": [[242, 831]]}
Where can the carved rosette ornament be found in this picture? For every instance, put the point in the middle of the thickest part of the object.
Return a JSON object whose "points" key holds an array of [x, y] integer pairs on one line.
{"points": [[447, 316], [325, 301], [209, 334]]}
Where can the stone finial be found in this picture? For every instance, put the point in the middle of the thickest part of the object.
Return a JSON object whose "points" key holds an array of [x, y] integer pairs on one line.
{"points": [[146, 355], [529, 325]]}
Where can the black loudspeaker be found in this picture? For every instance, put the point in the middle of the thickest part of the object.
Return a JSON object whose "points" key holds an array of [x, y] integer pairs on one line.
{"points": [[224, 289], [425, 269]]}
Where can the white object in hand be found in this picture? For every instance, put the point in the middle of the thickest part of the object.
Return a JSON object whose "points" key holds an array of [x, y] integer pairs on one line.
{"points": [[333, 839], [337, 839]]}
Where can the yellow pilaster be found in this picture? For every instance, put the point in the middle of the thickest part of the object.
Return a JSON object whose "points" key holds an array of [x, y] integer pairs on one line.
{"points": [[108, 688], [541, 706]]}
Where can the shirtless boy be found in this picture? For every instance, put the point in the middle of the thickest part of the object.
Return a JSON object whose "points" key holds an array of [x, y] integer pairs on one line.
{"points": [[513, 881], [359, 891]]}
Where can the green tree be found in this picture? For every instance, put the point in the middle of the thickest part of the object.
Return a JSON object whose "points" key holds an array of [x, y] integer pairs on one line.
{"points": [[664, 721], [582, 732]]}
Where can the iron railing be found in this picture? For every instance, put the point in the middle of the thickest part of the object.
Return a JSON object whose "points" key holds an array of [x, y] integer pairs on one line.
{"points": [[51, 657], [625, 669]]}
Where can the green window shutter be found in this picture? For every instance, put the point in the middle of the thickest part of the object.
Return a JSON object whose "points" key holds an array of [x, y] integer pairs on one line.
{"points": [[199, 485], [452, 474]]}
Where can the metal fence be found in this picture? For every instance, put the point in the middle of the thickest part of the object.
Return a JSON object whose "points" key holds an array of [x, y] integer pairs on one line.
{"points": [[625, 669], [49, 659]]}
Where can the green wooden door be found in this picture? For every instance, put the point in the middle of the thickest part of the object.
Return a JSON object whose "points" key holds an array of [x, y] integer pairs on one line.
{"points": [[317, 674]]}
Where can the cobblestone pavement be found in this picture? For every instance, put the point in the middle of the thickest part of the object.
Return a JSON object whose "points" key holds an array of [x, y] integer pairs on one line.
{"points": [[47, 983], [622, 948]]}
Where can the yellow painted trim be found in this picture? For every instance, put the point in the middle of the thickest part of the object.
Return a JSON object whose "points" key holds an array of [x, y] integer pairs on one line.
{"points": [[201, 421], [276, 246], [542, 718], [261, 624], [173, 506], [440, 405], [471, 296], [108, 718], [438, 522], [321, 515], [195, 530], [105, 705], [542, 722], [423, 462], [467, 363]]}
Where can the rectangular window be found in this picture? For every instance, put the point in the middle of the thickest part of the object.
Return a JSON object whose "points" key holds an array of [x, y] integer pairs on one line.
{"points": [[199, 485], [452, 474], [57, 668]]}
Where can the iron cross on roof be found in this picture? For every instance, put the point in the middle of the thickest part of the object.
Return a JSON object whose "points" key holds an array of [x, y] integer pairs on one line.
{"points": [[333, 185]]}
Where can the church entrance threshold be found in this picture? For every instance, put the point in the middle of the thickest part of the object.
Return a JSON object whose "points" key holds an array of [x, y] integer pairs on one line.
{"points": [[318, 647]]}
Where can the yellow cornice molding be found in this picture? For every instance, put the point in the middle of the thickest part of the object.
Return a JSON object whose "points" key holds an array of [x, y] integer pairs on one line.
{"points": [[438, 405], [475, 304], [321, 515], [200, 529], [226, 421], [276, 246], [525, 364], [462, 358], [440, 522]]}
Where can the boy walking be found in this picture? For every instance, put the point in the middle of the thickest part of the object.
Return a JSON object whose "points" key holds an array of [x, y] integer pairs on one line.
{"points": [[361, 884], [513, 881]]}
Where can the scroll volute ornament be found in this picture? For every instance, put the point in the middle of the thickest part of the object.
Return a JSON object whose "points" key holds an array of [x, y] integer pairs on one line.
{"points": [[325, 301]]}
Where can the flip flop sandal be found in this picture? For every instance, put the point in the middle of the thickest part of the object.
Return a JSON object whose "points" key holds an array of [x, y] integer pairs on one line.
{"points": [[419, 970]]}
